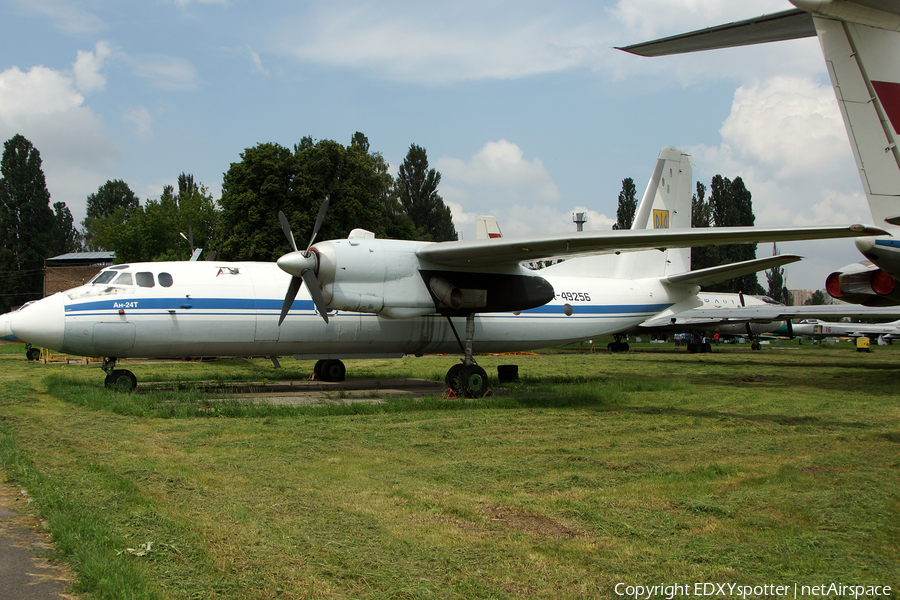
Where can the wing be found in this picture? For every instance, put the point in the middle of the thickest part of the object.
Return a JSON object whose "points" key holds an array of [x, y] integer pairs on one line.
{"points": [[512, 250], [775, 312], [787, 25]]}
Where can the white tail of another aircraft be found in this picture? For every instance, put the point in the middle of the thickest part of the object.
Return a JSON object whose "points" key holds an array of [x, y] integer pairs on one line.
{"points": [[861, 46], [864, 66]]}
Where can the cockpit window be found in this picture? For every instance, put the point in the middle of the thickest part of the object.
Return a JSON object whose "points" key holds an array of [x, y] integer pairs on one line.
{"points": [[144, 279], [104, 277], [165, 279], [124, 279]]}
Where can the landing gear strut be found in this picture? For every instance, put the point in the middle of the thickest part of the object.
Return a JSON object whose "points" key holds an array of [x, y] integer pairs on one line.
{"points": [[32, 353], [120, 380], [467, 380]]}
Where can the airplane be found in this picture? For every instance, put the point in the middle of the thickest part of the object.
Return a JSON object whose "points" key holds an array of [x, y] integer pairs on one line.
{"points": [[817, 328], [860, 40], [729, 320], [363, 297]]}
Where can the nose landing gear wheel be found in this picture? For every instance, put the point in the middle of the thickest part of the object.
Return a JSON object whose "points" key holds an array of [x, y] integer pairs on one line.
{"points": [[121, 380]]}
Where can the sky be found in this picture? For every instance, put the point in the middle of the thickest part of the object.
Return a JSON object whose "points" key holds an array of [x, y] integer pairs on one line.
{"points": [[525, 107]]}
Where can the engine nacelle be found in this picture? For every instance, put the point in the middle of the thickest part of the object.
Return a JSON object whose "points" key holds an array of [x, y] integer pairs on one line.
{"points": [[387, 277], [863, 283]]}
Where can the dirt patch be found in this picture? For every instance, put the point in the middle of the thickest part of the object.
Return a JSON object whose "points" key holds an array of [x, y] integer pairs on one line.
{"points": [[530, 523], [752, 378], [304, 392]]}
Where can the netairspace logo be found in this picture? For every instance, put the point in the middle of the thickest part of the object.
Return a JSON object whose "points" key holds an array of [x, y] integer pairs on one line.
{"points": [[736, 590]]}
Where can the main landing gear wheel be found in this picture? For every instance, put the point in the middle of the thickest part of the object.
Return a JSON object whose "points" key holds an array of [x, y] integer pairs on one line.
{"points": [[467, 381], [33, 354], [330, 370], [121, 380]]}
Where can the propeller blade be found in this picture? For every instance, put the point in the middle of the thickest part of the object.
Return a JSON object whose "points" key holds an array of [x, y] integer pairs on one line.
{"points": [[790, 328], [293, 288], [322, 210], [286, 228], [309, 278], [302, 266]]}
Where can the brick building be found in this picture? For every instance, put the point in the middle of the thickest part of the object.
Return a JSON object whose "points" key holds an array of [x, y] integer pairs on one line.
{"points": [[73, 269]]}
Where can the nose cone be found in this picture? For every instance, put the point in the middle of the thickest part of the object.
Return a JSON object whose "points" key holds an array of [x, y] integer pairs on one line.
{"points": [[296, 263], [6, 333], [865, 244], [41, 324]]}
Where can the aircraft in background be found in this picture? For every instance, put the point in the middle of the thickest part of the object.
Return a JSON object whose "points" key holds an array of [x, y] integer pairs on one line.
{"points": [[816, 328], [860, 41], [363, 297]]}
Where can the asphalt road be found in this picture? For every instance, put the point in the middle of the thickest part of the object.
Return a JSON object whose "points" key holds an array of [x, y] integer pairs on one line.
{"points": [[25, 573]]}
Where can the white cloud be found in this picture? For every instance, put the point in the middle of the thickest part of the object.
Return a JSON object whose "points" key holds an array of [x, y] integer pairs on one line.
{"points": [[786, 139], [140, 117], [44, 106], [257, 62], [502, 165], [167, 72], [442, 43], [88, 66], [498, 180], [66, 16]]}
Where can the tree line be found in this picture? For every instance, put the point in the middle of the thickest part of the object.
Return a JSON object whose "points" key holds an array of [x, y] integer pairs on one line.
{"points": [[729, 204], [242, 225]]}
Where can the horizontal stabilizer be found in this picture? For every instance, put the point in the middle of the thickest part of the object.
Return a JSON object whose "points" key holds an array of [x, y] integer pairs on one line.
{"points": [[787, 25], [713, 275]]}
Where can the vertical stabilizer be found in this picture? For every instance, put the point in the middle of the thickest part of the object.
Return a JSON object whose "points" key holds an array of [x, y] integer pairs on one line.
{"points": [[864, 66], [666, 204], [486, 227]]}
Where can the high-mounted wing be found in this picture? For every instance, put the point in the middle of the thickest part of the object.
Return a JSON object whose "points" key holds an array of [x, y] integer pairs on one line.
{"points": [[510, 250]]}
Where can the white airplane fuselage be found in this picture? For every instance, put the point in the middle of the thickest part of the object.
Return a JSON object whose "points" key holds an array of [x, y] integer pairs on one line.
{"points": [[227, 309]]}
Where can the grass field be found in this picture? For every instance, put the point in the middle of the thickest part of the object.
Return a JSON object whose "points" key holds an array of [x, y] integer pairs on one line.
{"points": [[655, 467]]}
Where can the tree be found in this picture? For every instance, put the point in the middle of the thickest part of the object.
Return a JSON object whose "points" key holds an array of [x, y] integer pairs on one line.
{"points": [[627, 205], [270, 178], [417, 191], [701, 216], [817, 299], [729, 205], [66, 237], [26, 223], [111, 196], [152, 231], [775, 280]]}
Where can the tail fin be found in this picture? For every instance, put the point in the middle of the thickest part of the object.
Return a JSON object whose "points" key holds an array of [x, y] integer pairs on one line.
{"points": [[666, 204], [864, 66], [486, 227], [860, 44]]}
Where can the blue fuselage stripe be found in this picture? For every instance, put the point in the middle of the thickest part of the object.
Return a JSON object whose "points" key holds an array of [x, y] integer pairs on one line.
{"points": [[239, 306]]}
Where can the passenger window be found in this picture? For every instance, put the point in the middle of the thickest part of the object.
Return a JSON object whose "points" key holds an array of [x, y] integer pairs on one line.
{"points": [[124, 279], [165, 279], [104, 277], [144, 279]]}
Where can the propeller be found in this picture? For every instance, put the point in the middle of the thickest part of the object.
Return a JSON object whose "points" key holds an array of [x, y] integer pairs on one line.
{"points": [[302, 266]]}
